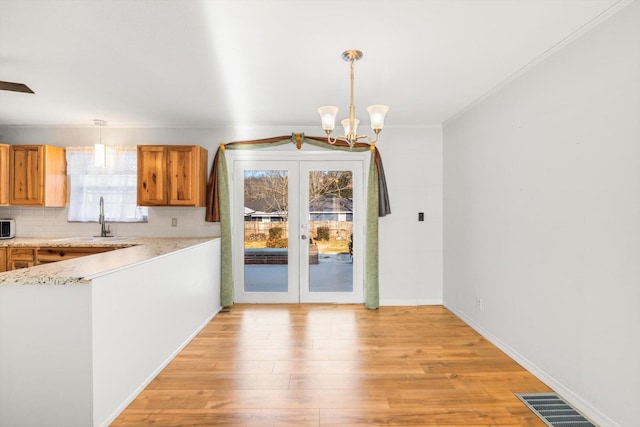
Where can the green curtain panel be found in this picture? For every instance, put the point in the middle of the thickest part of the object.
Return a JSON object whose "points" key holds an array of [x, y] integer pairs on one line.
{"points": [[218, 209]]}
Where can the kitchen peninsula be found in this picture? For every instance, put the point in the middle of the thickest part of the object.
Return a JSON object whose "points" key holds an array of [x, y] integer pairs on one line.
{"points": [[80, 338]]}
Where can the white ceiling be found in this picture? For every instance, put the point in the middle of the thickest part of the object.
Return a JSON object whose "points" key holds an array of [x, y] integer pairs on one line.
{"points": [[230, 63]]}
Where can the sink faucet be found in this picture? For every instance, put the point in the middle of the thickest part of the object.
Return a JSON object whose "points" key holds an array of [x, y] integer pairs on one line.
{"points": [[104, 231]]}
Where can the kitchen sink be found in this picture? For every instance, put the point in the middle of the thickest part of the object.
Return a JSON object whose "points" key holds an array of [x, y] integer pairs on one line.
{"points": [[93, 239]]}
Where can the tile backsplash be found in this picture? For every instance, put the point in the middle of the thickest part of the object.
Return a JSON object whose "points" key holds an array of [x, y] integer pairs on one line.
{"points": [[52, 222]]}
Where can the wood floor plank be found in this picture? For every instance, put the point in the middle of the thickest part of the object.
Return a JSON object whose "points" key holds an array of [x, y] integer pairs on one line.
{"points": [[422, 417], [259, 399], [336, 365], [221, 417], [332, 381], [205, 380]]}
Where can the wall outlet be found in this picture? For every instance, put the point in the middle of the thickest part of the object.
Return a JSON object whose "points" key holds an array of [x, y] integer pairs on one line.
{"points": [[174, 222], [479, 303]]}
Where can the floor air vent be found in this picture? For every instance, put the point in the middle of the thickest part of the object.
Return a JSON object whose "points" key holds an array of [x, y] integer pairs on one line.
{"points": [[554, 411]]}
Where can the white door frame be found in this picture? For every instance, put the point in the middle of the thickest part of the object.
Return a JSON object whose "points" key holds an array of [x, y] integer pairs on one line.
{"points": [[237, 160]]}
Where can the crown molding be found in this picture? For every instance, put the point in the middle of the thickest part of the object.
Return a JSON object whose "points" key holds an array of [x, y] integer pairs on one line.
{"points": [[603, 16]]}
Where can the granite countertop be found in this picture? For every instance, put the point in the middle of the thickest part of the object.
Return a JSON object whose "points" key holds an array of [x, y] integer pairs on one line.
{"points": [[82, 270]]}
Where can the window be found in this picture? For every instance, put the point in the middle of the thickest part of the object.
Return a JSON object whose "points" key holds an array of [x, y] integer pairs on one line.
{"points": [[116, 183]]}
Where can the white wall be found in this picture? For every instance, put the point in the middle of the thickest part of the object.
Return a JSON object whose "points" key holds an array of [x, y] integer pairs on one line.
{"points": [[410, 252], [143, 316], [542, 219], [45, 356], [77, 355]]}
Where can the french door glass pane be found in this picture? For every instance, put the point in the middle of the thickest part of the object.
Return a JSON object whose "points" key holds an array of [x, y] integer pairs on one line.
{"points": [[331, 231], [266, 230]]}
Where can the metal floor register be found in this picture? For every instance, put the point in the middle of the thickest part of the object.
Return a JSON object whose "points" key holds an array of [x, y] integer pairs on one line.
{"points": [[554, 411]]}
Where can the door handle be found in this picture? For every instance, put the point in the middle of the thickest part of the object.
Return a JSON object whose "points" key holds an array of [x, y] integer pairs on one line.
{"points": [[303, 237]]}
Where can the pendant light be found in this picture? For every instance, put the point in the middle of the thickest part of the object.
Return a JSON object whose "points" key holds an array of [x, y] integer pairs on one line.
{"points": [[99, 152]]}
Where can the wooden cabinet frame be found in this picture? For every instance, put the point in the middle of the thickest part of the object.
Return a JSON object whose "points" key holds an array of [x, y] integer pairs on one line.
{"points": [[38, 175], [52, 254], [3, 259], [172, 175], [4, 175], [20, 257], [13, 258]]}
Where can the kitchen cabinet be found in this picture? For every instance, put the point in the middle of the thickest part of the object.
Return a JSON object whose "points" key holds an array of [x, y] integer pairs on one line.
{"points": [[48, 255], [152, 171], [3, 259], [37, 175], [172, 175], [13, 258], [4, 175], [20, 258]]}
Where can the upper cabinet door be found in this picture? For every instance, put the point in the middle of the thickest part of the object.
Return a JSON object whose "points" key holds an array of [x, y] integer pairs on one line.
{"points": [[27, 177], [4, 175], [186, 175], [172, 175], [152, 175], [38, 175]]}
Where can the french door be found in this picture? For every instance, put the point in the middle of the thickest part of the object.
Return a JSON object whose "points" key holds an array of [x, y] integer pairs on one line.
{"points": [[298, 231]]}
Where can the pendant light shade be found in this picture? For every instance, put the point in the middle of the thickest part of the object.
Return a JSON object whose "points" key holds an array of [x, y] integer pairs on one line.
{"points": [[347, 128], [377, 114], [99, 151], [99, 155], [328, 116]]}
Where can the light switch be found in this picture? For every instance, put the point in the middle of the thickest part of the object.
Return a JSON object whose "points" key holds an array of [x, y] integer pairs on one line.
{"points": [[420, 216]]}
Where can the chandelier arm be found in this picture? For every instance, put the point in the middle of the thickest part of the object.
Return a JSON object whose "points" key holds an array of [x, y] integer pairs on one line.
{"points": [[342, 140], [369, 140]]}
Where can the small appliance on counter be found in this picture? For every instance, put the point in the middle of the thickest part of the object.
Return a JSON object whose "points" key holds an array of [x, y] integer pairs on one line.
{"points": [[7, 228]]}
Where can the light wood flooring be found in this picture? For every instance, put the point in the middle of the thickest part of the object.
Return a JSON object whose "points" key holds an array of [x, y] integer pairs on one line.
{"points": [[336, 365]]}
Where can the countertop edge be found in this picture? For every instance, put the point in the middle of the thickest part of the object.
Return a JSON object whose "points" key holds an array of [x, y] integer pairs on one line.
{"points": [[81, 271]]}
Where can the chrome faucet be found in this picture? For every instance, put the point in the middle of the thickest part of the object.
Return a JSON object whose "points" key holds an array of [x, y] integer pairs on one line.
{"points": [[104, 230]]}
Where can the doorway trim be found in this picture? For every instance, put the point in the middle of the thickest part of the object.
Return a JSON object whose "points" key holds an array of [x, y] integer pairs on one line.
{"points": [[297, 166]]}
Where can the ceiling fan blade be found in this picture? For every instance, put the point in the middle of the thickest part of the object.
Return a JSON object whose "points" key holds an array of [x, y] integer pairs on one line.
{"points": [[15, 87]]}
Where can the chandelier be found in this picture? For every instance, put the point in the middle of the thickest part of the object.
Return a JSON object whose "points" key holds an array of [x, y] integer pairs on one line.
{"points": [[350, 125]]}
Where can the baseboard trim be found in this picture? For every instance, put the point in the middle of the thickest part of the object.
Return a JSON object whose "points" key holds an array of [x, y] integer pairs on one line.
{"points": [[565, 392], [409, 302], [434, 301]]}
